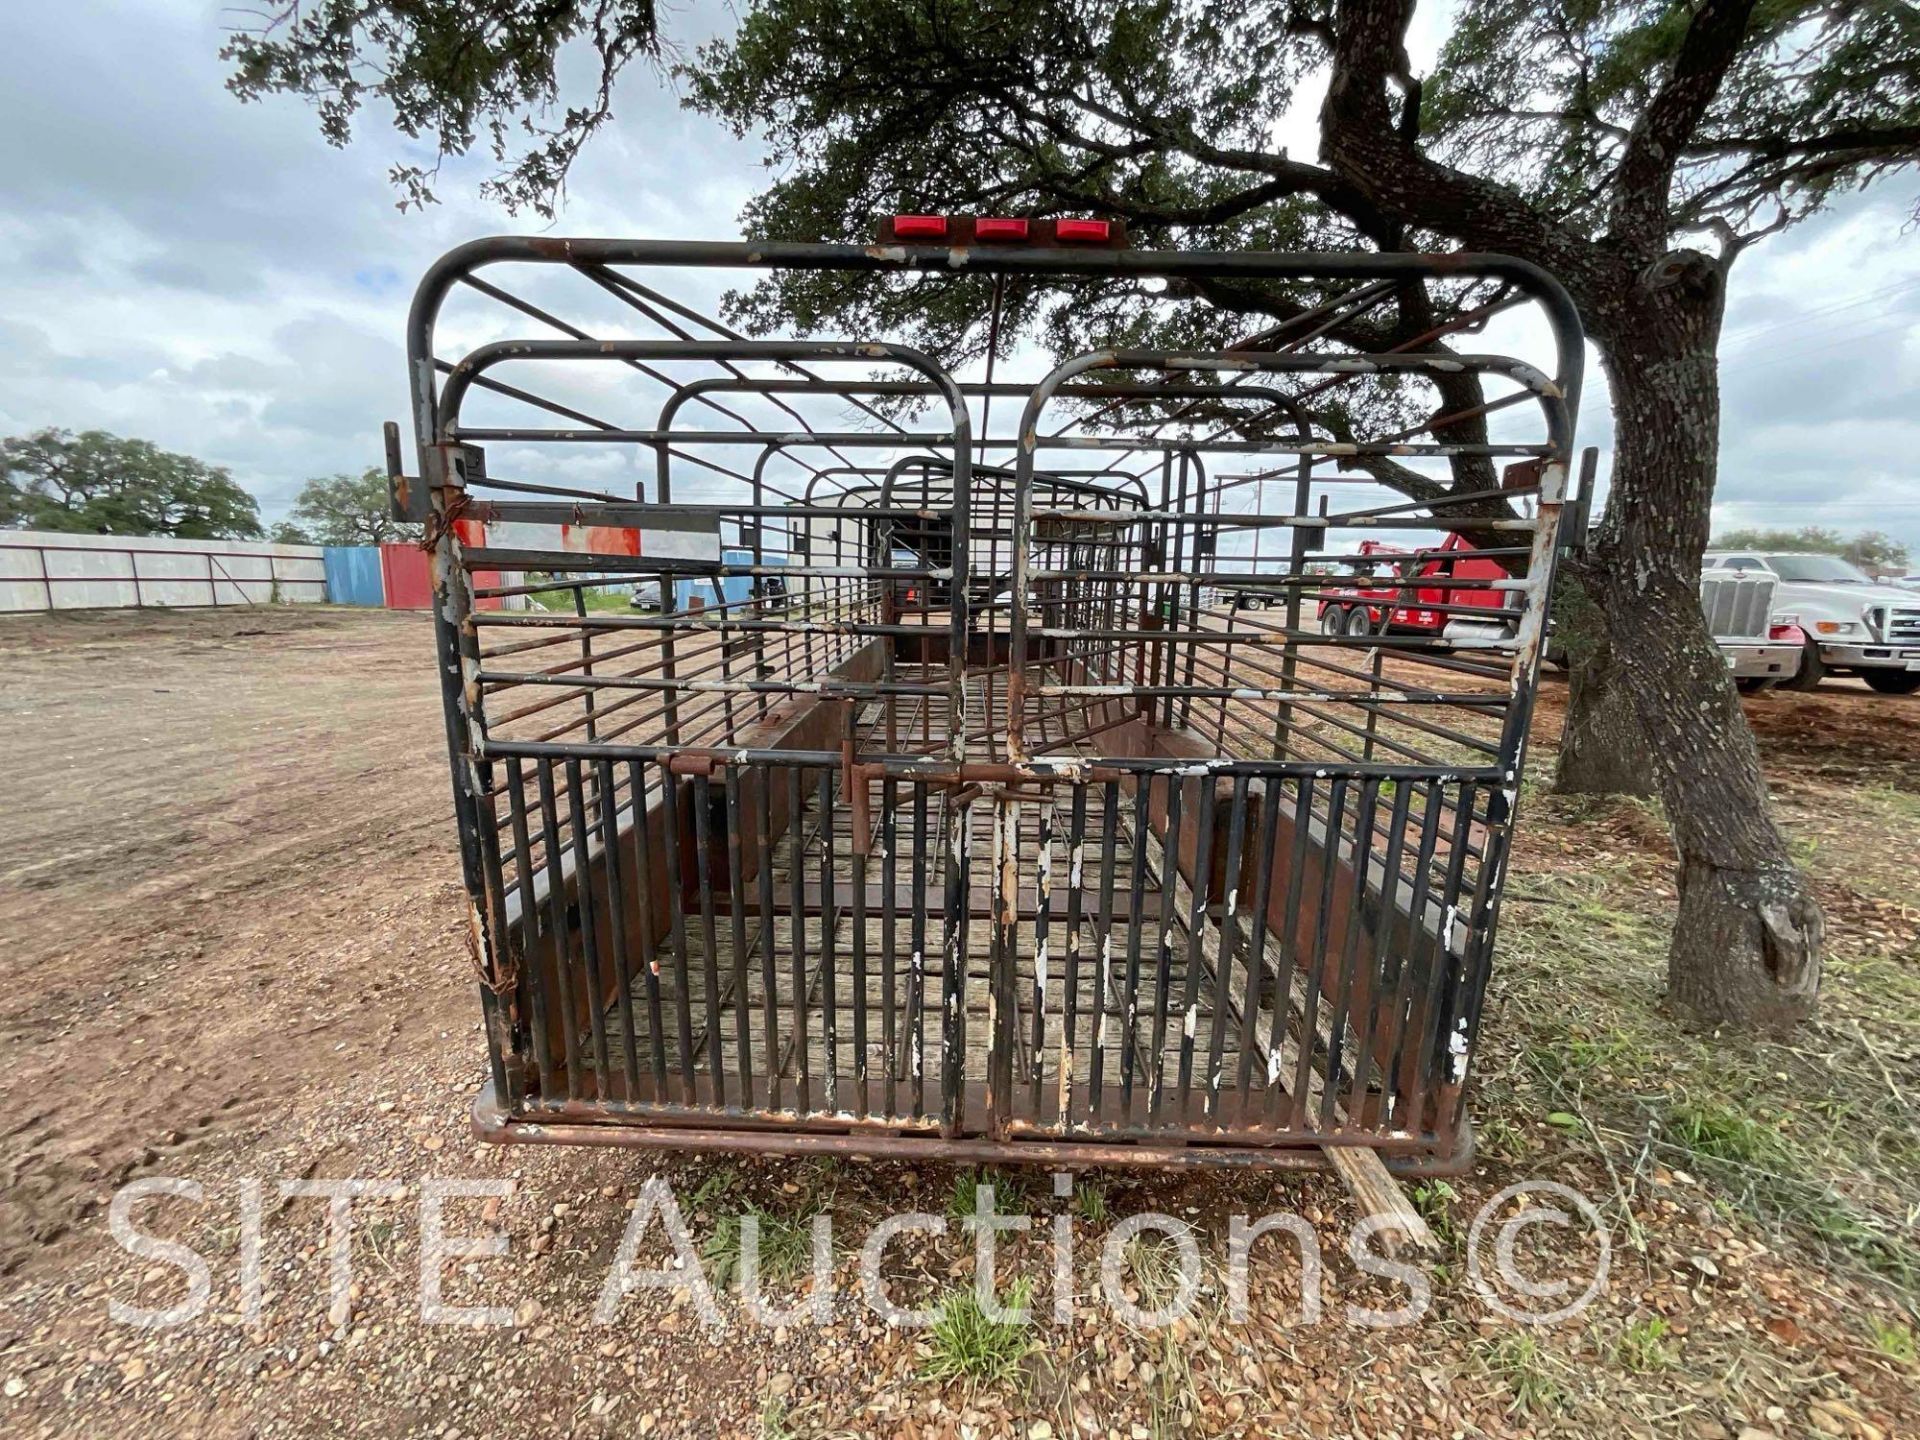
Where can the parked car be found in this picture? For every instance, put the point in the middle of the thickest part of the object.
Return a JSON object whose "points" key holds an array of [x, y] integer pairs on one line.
{"points": [[1853, 624]]}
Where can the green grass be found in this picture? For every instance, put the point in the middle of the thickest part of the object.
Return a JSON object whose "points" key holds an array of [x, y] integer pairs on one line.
{"points": [[967, 1345], [964, 1199], [773, 1421], [1434, 1200], [1520, 1364], [1713, 1129], [1090, 1202], [1810, 1140], [1643, 1346], [786, 1246], [1894, 1340]]}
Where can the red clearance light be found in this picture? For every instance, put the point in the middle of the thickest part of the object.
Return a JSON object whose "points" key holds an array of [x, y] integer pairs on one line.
{"points": [[920, 227], [1082, 232], [999, 228]]}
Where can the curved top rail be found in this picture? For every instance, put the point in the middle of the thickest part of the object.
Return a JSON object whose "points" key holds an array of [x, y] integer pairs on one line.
{"points": [[462, 261]]}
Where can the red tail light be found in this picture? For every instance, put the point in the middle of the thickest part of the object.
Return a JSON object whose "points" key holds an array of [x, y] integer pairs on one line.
{"points": [[963, 230], [1082, 232]]}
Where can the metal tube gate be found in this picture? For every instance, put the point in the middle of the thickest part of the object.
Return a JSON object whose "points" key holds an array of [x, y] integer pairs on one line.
{"points": [[980, 813]]}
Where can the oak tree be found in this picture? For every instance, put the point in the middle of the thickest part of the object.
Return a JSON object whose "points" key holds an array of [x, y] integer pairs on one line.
{"points": [[1634, 148]]}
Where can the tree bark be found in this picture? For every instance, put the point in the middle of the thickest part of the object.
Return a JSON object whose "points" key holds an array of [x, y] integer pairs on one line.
{"points": [[1747, 942], [1602, 747]]}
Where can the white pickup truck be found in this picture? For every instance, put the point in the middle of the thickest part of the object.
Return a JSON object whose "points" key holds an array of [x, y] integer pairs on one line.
{"points": [[1853, 623]]}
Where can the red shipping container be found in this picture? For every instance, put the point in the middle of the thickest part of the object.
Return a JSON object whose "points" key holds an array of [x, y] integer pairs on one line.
{"points": [[408, 575]]}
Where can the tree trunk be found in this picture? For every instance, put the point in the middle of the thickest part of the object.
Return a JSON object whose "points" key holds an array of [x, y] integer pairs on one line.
{"points": [[1603, 751], [1602, 748], [1747, 940]]}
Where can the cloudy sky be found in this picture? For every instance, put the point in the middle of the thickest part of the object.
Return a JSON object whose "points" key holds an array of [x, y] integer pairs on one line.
{"points": [[213, 277]]}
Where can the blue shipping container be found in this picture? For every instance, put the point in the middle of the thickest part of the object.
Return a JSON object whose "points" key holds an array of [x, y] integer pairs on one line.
{"points": [[735, 588], [353, 575]]}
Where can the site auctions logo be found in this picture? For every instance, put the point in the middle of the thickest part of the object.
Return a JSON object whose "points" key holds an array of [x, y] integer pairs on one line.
{"points": [[655, 1220]]}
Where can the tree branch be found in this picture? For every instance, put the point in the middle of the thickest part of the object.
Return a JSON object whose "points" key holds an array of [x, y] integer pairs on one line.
{"points": [[1643, 184]]}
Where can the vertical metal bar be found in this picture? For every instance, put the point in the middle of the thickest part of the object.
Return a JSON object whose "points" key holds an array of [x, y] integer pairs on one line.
{"points": [[890, 995], [670, 845], [1163, 952], [503, 1037], [1316, 952], [1103, 965], [1377, 977], [796, 889], [1136, 912], [829, 921], [737, 924], [1198, 894], [1399, 1081], [1272, 797], [1352, 949], [649, 949], [1433, 1039], [1463, 1005], [1042, 922], [953, 999], [586, 659], [1002, 1027], [917, 965], [860, 848], [530, 928], [1223, 971], [703, 871], [1070, 986], [589, 939], [617, 919], [764, 843], [558, 924]]}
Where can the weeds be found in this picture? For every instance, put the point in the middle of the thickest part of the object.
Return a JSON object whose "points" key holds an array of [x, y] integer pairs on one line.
{"points": [[1154, 1260], [1172, 1397], [1643, 1346], [773, 1420], [1518, 1362], [969, 1345], [1715, 1130], [1815, 1145], [964, 1200], [785, 1247], [1090, 1202], [1894, 1340], [1434, 1200]]}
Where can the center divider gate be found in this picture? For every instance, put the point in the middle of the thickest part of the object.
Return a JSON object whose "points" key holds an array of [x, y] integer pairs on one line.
{"points": [[986, 824]]}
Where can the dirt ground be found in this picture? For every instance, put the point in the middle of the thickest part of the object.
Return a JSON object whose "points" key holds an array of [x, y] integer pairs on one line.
{"points": [[233, 952]]}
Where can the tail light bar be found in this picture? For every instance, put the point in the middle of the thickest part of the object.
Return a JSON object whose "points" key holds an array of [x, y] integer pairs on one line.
{"points": [[1076, 234]]}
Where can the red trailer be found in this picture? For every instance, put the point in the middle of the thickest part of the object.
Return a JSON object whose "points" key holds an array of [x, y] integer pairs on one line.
{"points": [[1421, 592]]}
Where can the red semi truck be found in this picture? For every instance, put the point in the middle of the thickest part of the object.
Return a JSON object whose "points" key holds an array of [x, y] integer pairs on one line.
{"points": [[1408, 592]]}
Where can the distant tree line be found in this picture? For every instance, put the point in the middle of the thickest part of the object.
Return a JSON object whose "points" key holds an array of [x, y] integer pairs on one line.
{"points": [[1869, 549], [94, 483]]}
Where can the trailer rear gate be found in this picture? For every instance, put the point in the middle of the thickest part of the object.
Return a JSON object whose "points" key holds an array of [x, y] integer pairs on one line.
{"points": [[994, 829]]}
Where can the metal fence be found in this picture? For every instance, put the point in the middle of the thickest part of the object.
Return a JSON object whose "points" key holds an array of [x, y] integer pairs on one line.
{"points": [[981, 821], [42, 570]]}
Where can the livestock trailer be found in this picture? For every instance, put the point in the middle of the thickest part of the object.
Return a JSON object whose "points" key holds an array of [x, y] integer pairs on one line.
{"points": [[1003, 833]]}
